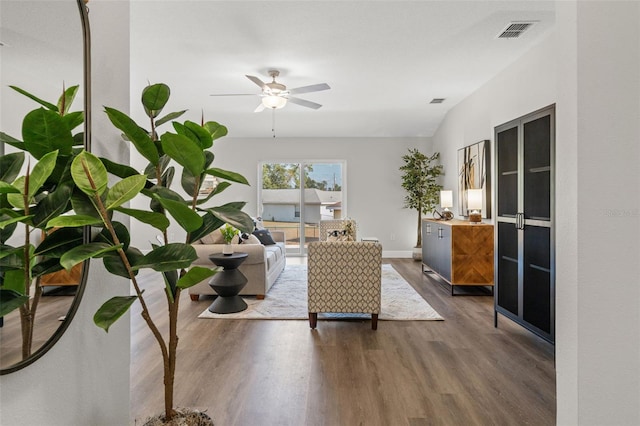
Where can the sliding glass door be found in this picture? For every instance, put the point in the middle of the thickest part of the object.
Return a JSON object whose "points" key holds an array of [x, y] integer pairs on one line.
{"points": [[295, 196]]}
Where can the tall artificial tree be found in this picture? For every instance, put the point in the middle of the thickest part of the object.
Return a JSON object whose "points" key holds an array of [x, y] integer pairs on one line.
{"points": [[419, 180]]}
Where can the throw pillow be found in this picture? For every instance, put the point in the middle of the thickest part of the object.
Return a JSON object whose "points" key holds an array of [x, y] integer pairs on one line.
{"points": [[264, 236], [337, 235], [248, 239]]}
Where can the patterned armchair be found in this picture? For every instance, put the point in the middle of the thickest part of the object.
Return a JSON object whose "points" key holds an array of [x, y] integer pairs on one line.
{"points": [[326, 226], [344, 277]]}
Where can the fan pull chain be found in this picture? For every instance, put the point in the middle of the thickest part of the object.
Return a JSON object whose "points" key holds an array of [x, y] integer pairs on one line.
{"points": [[273, 122]]}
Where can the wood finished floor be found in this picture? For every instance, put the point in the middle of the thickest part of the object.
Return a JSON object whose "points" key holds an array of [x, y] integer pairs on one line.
{"points": [[461, 371]]}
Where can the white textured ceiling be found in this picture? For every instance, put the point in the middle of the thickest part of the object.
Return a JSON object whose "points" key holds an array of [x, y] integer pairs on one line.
{"points": [[384, 60]]}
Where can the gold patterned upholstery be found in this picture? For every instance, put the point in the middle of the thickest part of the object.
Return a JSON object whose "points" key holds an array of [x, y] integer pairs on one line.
{"points": [[335, 224], [344, 277]]}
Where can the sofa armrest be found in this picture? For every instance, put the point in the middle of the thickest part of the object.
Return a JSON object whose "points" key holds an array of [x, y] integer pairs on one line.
{"points": [[278, 236]]}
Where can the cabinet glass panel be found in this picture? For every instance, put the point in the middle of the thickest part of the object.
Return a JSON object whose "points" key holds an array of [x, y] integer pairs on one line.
{"points": [[537, 277], [508, 267], [507, 147], [537, 168]]}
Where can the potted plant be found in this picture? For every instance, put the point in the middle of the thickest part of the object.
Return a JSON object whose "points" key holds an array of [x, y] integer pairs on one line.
{"points": [[29, 201], [419, 181], [228, 232], [189, 147]]}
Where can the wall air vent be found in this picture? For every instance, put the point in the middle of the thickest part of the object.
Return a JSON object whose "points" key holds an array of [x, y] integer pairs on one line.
{"points": [[437, 101], [515, 29]]}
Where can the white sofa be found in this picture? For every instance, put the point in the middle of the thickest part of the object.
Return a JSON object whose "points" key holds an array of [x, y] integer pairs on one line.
{"points": [[262, 267]]}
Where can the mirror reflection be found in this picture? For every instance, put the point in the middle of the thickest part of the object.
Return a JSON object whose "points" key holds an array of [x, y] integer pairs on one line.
{"points": [[41, 53]]}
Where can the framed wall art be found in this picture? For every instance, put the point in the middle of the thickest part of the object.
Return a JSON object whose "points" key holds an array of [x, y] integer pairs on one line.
{"points": [[474, 173]]}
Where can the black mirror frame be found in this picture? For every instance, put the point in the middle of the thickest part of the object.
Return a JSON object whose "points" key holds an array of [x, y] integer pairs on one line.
{"points": [[86, 36]]}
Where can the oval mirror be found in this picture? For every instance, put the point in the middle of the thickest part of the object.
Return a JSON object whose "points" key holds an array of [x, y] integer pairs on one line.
{"points": [[44, 52]]}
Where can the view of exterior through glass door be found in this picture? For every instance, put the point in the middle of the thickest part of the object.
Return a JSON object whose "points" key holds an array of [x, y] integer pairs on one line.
{"points": [[294, 197]]}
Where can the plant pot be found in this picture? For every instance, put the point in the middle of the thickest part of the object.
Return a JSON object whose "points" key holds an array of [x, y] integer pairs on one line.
{"points": [[184, 417], [227, 249], [417, 253]]}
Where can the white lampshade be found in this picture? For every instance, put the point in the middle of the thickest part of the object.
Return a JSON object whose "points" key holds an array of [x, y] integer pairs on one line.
{"points": [[446, 199], [474, 199], [274, 102]]}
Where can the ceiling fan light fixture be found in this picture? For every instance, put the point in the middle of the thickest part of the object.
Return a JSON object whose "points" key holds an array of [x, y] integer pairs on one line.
{"points": [[273, 101]]}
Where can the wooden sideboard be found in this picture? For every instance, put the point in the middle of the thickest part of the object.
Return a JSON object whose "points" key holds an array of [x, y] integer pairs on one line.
{"points": [[460, 252]]}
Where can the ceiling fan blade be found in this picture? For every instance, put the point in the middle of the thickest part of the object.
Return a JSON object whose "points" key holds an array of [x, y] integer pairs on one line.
{"points": [[234, 94], [259, 108], [312, 88], [257, 81], [304, 102]]}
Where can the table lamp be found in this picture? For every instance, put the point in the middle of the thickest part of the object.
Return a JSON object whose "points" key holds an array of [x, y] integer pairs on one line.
{"points": [[474, 203], [446, 201]]}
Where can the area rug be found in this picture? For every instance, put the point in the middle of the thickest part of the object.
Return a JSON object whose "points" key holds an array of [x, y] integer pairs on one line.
{"points": [[287, 300]]}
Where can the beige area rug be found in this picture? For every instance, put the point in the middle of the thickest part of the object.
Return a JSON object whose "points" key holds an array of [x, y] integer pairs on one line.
{"points": [[287, 300]]}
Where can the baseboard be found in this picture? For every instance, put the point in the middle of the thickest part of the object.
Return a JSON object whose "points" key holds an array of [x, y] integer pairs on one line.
{"points": [[397, 254]]}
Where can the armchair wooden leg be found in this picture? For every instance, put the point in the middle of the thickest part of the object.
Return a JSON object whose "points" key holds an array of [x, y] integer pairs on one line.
{"points": [[313, 319], [374, 321], [259, 296], [194, 297]]}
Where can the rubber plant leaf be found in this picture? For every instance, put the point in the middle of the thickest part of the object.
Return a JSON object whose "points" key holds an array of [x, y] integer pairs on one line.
{"points": [[10, 300], [17, 219], [195, 132], [188, 219], [59, 242], [52, 205], [219, 188], [122, 233], [154, 98], [113, 262], [228, 175], [236, 218], [73, 120], [168, 257], [184, 151], [10, 166], [112, 310], [47, 266], [73, 221], [117, 169], [125, 190], [66, 99], [45, 104], [89, 174], [157, 220], [195, 275], [44, 131], [86, 251], [217, 130], [169, 117], [10, 140], [137, 135], [7, 188], [209, 224]]}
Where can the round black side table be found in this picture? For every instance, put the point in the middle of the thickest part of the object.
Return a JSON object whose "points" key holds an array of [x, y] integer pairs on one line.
{"points": [[228, 283]]}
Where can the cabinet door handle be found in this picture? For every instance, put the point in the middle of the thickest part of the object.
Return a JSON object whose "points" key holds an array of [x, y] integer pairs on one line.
{"points": [[440, 233], [428, 229], [520, 221]]}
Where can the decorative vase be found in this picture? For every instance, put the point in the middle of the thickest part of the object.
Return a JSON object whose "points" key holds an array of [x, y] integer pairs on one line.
{"points": [[227, 249]]}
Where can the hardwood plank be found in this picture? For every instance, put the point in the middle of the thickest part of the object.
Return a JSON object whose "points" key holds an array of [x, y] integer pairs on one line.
{"points": [[458, 371]]}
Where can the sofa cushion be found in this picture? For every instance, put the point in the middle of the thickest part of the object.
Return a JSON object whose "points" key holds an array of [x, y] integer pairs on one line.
{"points": [[264, 236], [214, 237]]}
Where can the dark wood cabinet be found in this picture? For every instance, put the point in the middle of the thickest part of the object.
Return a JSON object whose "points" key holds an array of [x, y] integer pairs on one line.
{"points": [[458, 251], [525, 253]]}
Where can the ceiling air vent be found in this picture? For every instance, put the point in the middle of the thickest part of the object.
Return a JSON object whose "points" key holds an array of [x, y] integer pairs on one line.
{"points": [[515, 29], [437, 101]]}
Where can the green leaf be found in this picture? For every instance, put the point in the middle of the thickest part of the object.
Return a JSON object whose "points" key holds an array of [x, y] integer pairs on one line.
{"points": [[89, 174], [228, 175], [170, 282], [10, 300], [41, 172], [169, 117], [188, 219], [157, 220], [84, 206], [59, 242], [112, 310], [45, 131], [195, 275], [72, 221], [217, 130], [114, 263], [122, 233], [209, 224], [66, 99], [7, 188], [184, 151], [84, 252], [236, 218], [125, 190], [45, 104], [138, 136], [47, 266], [10, 166], [117, 169], [10, 140], [195, 132], [168, 257], [221, 187], [7, 222], [73, 120], [154, 98], [52, 205]]}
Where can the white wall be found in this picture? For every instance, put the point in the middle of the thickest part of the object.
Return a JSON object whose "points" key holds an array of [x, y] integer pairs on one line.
{"points": [[374, 193], [84, 378], [590, 69]]}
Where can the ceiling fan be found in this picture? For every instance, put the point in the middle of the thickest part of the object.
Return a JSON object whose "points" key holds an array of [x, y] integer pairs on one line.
{"points": [[276, 95]]}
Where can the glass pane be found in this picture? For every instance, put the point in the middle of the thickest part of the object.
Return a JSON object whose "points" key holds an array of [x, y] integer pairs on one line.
{"points": [[537, 277], [507, 279], [280, 209], [323, 196], [537, 168], [507, 190]]}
